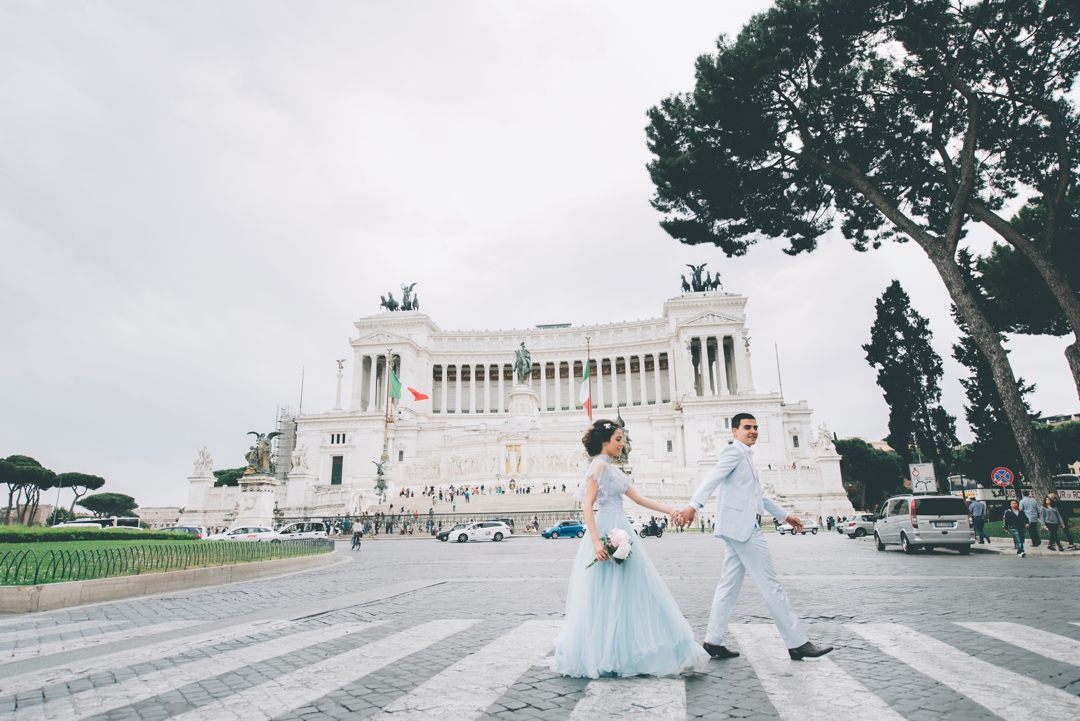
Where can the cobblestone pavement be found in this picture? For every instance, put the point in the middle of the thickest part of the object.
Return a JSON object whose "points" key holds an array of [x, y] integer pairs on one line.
{"points": [[419, 629]]}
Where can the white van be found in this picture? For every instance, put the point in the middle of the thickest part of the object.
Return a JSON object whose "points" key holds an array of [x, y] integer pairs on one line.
{"points": [[926, 522]]}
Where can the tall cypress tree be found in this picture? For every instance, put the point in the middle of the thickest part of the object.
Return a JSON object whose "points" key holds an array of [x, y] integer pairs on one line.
{"points": [[909, 373]]}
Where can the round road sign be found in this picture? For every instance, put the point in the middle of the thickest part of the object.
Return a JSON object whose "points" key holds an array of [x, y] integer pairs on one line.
{"points": [[1002, 477]]}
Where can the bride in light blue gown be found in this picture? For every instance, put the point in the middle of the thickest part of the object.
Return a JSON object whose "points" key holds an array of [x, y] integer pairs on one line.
{"points": [[621, 619]]}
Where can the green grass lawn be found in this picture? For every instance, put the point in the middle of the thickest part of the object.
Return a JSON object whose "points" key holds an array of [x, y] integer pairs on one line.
{"points": [[43, 546]]}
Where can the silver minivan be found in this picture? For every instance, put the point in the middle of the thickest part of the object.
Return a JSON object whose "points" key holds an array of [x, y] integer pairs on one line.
{"points": [[926, 522]]}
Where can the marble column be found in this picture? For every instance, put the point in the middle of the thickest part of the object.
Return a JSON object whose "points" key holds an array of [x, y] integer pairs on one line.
{"points": [[614, 382], [742, 374], [543, 386], [629, 382], [442, 386], [644, 382], [721, 362], [499, 405], [372, 400], [598, 384], [457, 387], [656, 378], [487, 388]]}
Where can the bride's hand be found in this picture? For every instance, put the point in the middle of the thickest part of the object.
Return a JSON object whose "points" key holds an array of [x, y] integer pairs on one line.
{"points": [[599, 550]]}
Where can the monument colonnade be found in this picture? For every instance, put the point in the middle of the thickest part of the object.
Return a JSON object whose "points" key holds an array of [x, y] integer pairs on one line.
{"points": [[713, 362]]}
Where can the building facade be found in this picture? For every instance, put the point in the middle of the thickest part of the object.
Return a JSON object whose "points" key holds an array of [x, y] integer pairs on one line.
{"points": [[676, 381]]}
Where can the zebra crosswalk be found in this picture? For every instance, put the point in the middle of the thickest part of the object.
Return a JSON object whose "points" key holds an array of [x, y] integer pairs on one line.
{"points": [[463, 678]]}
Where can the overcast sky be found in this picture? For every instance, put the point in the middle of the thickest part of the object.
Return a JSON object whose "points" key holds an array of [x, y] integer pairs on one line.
{"points": [[198, 199]]}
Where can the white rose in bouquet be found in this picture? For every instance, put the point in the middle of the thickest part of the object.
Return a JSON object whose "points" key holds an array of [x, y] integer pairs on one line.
{"points": [[622, 552]]}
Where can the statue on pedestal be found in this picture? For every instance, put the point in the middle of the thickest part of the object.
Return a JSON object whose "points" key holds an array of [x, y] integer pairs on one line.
{"points": [[204, 464], [259, 456], [523, 365]]}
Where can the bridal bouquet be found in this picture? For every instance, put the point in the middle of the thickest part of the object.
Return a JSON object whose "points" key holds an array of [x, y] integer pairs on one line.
{"points": [[617, 544]]}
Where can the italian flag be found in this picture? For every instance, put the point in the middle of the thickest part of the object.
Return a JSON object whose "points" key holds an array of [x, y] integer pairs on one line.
{"points": [[584, 396], [395, 388]]}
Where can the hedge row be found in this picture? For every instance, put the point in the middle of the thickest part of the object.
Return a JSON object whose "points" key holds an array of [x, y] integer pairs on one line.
{"points": [[35, 534]]}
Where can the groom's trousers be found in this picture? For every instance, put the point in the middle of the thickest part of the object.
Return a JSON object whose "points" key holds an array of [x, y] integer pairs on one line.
{"points": [[752, 556]]}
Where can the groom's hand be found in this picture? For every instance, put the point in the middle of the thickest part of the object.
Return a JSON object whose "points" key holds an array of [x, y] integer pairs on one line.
{"points": [[686, 515], [795, 521]]}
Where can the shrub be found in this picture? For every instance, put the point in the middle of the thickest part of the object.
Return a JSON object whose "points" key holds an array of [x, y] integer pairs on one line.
{"points": [[35, 534]]}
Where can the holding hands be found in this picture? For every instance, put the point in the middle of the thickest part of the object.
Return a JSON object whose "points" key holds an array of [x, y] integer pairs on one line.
{"points": [[684, 517]]}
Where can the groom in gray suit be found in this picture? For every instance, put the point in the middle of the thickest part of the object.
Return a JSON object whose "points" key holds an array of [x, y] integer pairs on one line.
{"points": [[741, 501]]}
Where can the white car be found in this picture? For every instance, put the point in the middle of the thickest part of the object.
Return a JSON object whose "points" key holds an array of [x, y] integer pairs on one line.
{"points": [[298, 531], [635, 524], [808, 527], [244, 533], [484, 531]]}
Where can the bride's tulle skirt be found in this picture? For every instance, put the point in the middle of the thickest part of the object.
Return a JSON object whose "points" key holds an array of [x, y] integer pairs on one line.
{"points": [[621, 620]]}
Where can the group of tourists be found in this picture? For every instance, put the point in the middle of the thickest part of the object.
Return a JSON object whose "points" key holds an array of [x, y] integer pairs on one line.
{"points": [[1024, 517]]}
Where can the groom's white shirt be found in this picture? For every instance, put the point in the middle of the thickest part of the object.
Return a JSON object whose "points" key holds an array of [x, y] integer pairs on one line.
{"points": [[740, 497]]}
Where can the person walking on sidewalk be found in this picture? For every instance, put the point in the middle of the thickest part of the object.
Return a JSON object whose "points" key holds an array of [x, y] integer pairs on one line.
{"points": [[1015, 523], [1031, 509], [1051, 518], [1064, 522], [977, 509]]}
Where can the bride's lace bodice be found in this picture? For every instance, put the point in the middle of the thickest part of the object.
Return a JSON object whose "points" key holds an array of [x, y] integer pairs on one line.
{"points": [[611, 484]]}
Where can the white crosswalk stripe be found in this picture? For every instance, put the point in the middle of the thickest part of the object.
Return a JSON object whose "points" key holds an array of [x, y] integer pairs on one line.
{"points": [[45, 649], [95, 701], [1007, 694], [1050, 645], [293, 690], [472, 684], [639, 699], [810, 689], [32, 680], [55, 630]]}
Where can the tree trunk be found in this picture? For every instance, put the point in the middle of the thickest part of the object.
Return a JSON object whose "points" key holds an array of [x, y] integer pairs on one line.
{"points": [[75, 500], [989, 342], [1055, 280]]}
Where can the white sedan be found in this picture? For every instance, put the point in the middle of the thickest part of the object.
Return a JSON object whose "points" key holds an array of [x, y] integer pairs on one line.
{"points": [[808, 527], [297, 532], [245, 533], [485, 531]]}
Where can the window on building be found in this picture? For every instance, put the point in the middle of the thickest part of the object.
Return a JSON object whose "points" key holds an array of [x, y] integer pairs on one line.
{"points": [[401, 455], [795, 441], [669, 447], [335, 470], [727, 423], [337, 439]]}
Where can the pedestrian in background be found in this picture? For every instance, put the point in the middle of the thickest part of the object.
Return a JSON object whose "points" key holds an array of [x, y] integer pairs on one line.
{"points": [[977, 509], [1052, 519], [1015, 522], [1064, 522], [1031, 509]]}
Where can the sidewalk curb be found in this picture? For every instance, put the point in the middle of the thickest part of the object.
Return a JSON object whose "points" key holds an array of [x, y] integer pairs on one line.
{"points": [[51, 596]]}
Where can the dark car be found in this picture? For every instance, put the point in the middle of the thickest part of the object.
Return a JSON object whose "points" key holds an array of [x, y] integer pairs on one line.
{"points": [[444, 535], [573, 529]]}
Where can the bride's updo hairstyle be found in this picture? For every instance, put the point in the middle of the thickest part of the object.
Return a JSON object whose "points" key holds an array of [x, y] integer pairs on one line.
{"points": [[598, 434]]}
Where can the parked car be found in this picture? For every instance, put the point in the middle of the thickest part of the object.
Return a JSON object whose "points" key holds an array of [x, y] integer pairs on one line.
{"points": [[841, 524], [197, 531], [635, 524], [859, 525], [444, 535], [809, 527], [508, 522], [74, 524], [244, 533], [483, 531], [298, 531], [926, 522], [573, 529], [131, 523]]}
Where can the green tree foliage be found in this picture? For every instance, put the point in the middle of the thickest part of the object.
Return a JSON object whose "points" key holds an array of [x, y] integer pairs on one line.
{"points": [[896, 119], [109, 504], [870, 475], [909, 372], [1062, 443], [994, 444], [229, 476], [1017, 298], [25, 479], [80, 484]]}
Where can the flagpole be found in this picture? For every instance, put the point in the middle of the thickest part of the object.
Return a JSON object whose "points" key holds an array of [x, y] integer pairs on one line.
{"points": [[588, 362]]}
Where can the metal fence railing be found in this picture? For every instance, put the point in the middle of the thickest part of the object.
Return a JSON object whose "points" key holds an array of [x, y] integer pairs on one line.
{"points": [[27, 567]]}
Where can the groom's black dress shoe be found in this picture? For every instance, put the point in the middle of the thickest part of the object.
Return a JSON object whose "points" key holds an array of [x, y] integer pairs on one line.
{"points": [[719, 651], [808, 650]]}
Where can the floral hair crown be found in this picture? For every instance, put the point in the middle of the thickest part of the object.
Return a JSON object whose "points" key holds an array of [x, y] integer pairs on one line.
{"points": [[608, 425]]}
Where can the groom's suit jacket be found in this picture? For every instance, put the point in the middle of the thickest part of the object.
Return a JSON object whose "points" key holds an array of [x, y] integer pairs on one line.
{"points": [[740, 495]]}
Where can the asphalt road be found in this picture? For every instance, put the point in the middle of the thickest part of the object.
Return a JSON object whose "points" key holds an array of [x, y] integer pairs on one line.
{"points": [[421, 629]]}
